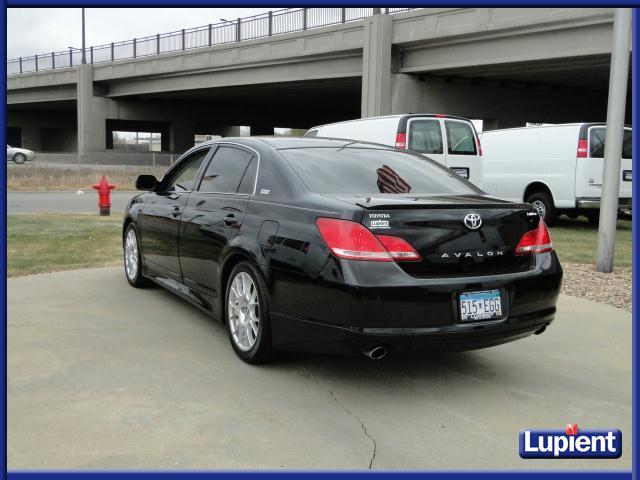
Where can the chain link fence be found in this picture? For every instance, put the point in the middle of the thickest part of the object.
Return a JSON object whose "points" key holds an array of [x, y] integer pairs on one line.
{"points": [[108, 157], [68, 171]]}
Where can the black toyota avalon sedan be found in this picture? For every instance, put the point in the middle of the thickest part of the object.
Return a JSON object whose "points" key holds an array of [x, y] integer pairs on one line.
{"points": [[331, 245]]}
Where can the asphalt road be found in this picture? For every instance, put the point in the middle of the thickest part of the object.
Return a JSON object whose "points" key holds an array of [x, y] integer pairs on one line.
{"points": [[64, 202], [104, 376]]}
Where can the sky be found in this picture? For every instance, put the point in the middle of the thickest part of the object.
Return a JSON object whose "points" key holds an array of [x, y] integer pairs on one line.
{"points": [[43, 30]]}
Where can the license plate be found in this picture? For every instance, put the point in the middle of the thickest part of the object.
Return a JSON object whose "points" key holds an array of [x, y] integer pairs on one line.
{"points": [[483, 305], [626, 175], [462, 171]]}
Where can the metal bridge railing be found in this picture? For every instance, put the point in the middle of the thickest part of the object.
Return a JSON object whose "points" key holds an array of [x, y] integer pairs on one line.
{"points": [[258, 26]]}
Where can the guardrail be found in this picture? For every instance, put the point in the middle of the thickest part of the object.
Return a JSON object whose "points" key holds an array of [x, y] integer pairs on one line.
{"points": [[258, 26]]}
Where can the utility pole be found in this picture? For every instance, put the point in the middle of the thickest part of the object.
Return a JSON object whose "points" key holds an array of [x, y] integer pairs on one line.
{"points": [[613, 139], [84, 56]]}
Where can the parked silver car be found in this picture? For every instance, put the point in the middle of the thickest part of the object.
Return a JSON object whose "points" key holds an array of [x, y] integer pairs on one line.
{"points": [[19, 155]]}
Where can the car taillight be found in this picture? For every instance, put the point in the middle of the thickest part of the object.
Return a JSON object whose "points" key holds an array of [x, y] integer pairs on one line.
{"points": [[479, 146], [399, 248], [353, 241], [582, 149], [401, 140], [535, 241]]}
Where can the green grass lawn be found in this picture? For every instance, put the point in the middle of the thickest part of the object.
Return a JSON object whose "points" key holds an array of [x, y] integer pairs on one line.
{"points": [[50, 242], [577, 242]]}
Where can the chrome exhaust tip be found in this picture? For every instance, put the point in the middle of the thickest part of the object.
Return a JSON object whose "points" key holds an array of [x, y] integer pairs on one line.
{"points": [[538, 332], [377, 353]]}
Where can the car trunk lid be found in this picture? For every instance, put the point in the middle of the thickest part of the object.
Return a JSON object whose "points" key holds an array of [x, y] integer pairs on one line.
{"points": [[455, 235]]}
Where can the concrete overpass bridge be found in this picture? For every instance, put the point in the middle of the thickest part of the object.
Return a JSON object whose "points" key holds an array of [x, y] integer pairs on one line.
{"points": [[505, 66]]}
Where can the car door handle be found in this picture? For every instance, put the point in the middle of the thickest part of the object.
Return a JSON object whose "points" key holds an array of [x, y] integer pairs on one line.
{"points": [[230, 220], [175, 212]]}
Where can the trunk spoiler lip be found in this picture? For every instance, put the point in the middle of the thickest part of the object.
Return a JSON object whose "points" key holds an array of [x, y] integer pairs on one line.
{"points": [[448, 206], [400, 202]]}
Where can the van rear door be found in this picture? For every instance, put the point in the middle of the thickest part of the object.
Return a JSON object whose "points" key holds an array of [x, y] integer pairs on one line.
{"points": [[425, 135], [462, 149], [590, 162], [453, 142]]}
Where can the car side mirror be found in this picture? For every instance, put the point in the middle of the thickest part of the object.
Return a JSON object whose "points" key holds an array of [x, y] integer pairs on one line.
{"points": [[147, 182]]}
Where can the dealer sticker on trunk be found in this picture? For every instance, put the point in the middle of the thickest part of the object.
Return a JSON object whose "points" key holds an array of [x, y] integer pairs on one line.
{"points": [[379, 220]]}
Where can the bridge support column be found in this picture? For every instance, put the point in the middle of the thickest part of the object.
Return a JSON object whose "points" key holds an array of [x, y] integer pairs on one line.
{"points": [[183, 136], [406, 93], [92, 115], [376, 66]]}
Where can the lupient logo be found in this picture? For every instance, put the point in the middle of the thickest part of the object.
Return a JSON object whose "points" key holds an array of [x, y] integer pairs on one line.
{"points": [[570, 443]]}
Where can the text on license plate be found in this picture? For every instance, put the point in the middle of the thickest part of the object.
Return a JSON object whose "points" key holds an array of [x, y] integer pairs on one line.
{"points": [[483, 305]]}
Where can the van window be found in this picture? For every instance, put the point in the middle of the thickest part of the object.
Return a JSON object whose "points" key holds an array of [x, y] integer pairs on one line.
{"points": [[627, 144], [596, 143], [425, 136], [460, 138], [311, 133]]}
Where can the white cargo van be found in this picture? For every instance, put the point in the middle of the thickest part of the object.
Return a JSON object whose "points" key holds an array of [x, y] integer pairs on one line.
{"points": [[452, 141], [558, 168]]}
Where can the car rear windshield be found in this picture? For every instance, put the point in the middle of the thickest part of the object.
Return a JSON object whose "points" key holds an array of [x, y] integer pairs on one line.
{"points": [[373, 171]]}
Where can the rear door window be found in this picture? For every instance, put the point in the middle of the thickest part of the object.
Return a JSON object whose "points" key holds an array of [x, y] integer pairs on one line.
{"points": [[225, 171], [461, 139], [596, 143], [425, 136], [248, 182]]}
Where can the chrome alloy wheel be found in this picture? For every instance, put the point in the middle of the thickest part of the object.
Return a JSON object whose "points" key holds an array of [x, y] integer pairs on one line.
{"points": [[131, 254], [243, 312]]}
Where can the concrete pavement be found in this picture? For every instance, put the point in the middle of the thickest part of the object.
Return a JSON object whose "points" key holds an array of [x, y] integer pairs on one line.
{"points": [[104, 376], [64, 202]]}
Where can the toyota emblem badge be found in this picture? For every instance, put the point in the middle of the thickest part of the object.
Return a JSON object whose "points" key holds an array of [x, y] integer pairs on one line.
{"points": [[472, 221]]}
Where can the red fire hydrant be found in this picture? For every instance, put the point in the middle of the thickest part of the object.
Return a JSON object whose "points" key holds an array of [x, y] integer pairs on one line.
{"points": [[104, 195]]}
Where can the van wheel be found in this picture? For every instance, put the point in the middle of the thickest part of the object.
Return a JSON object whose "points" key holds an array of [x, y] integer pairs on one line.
{"points": [[593, 217], [545, 207]]}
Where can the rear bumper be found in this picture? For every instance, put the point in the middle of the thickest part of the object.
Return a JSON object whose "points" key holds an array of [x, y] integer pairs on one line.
{"points": [[321, 316], [594, 202], [291, 333]]}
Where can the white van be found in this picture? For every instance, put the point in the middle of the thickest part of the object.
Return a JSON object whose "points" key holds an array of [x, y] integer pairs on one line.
{"points": [[452, 141], [558, 168]]}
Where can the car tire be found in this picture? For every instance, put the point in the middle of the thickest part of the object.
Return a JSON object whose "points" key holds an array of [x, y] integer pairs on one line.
{"points": [[133, 259], [545, 207], [247, 313], [19, 158]]}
